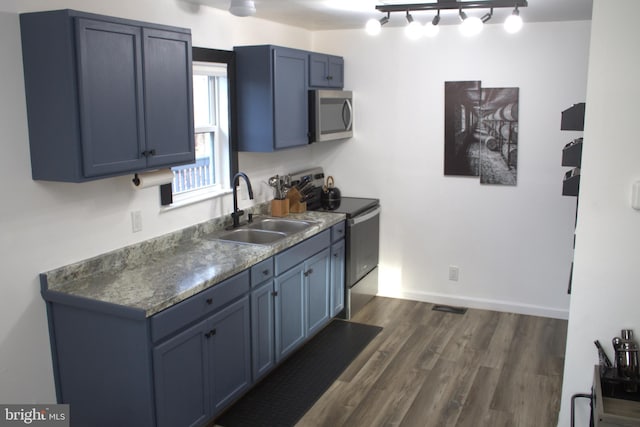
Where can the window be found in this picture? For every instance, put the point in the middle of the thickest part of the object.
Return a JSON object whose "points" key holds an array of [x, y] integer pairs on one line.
{"points": [[210, 174]]}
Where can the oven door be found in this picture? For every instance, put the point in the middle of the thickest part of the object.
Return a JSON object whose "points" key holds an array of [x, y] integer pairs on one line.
{"points": [[363, 240]]}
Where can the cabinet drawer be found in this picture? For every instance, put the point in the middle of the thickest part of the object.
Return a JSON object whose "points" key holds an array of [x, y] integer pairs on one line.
{"points": [[193, 308], [337, 232], [295, 255], [261, 271]]}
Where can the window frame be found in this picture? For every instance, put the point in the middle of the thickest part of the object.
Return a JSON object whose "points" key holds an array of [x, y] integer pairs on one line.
{"points": [[200, 54]]}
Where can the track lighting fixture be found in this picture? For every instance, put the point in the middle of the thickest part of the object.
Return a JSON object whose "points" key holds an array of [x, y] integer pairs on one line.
{"points": [[431, 29], [436, 19], [374, 26], [513, 23], [470, 24], [487, 16], [413, 30]]}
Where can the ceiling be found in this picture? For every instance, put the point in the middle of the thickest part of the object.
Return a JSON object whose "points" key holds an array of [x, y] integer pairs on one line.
{"points": [[318, 15]]}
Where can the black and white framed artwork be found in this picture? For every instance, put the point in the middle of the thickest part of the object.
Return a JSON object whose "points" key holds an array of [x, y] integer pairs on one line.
{"points": [[481, 132]]}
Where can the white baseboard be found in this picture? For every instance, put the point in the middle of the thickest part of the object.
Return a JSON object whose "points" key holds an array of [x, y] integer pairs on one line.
{"points": [[480, 303]]}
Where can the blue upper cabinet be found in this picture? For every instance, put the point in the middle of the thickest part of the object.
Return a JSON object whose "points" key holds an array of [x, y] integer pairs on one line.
{"points": [[326, 71], [105, 96], [272, 90]]}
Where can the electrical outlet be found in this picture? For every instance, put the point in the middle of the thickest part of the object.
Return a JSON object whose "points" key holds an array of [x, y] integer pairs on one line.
{"points": [[136, 221], [454, 273]]}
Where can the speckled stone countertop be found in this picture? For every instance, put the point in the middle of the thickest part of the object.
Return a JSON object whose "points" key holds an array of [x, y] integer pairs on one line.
{"points": [[156, 274]]}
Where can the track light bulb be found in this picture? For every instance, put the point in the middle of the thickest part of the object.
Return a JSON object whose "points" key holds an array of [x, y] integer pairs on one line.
{"points": [[431, 29], [470, 25], [374, 26], [513, 23], [413, 30]]}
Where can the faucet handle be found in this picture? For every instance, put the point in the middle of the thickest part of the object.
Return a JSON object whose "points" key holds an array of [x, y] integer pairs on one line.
{"points": [[249, 217]]}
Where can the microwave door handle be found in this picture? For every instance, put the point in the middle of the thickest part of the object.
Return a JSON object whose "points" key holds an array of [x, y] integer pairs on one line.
{"points": [[347, 123]]}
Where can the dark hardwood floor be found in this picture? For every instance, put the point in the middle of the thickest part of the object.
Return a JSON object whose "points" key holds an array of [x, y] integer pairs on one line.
{"points": [[431, 368]]}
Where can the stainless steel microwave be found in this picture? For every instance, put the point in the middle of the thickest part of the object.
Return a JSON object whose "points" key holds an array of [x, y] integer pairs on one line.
{"points": [[330, 115]]}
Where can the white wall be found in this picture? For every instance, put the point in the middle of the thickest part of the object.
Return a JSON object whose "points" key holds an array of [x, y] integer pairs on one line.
{"points": [[513, 244], [45, 225], [606, 290]]}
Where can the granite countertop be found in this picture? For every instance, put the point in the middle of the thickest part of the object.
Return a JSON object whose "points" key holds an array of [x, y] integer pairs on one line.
{"points": [[156, 274]]}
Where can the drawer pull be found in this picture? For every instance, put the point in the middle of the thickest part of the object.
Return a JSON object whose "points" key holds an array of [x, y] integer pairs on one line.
{"points": [[209, 301], [308, 272], [274, 293], [210, 333], [265, 272]]}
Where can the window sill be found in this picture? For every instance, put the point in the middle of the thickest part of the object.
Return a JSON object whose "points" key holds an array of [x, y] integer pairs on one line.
{"points": [[196, 198]]}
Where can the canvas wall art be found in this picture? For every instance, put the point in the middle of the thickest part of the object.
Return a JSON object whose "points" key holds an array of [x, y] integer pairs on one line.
{"points": [[481, 132]]}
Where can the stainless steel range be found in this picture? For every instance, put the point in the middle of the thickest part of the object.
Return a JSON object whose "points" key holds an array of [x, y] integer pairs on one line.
{"points": [[362, 239]]}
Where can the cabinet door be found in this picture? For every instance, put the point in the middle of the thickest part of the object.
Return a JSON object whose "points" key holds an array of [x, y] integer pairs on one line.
{"points": [[229, 353], [181, 379], [336, 72], [289, 310], [317, 277], [318, 70], [262, 330], [110, 92], [326, 71], [291, 104], [337, 277], [168, 92]]}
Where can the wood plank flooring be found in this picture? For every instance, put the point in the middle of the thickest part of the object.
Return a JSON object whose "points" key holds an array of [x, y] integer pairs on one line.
{"points": [[431, 368]]}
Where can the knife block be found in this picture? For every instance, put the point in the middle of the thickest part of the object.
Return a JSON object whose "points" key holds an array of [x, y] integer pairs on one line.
{"points": [[280, 207], [295, 205]]}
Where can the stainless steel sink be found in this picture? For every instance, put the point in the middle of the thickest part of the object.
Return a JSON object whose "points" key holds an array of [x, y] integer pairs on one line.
{"points": [[253, 236], [287, 226], [263, 231]]}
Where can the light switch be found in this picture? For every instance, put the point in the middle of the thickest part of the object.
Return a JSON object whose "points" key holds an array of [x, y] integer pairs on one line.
{"points": [[635, 195], [136, 221]]}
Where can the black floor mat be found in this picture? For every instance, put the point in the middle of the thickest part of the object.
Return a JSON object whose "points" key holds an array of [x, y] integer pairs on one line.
{"points": [[288, 392]]}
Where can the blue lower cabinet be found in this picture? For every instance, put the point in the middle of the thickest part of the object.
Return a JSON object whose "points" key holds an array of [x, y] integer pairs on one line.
{"points": [[229, 358], [262, 330], [302, 303], [318, 290], [289, 311], [337, 277], [181, 375], [201, 370]]}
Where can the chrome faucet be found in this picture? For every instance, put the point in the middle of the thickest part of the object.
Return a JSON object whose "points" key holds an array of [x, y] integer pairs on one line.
{"points": [[238, 213]]}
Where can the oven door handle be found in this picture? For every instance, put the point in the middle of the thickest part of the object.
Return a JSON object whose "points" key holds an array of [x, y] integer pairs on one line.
{"points": [[365, 217]]}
